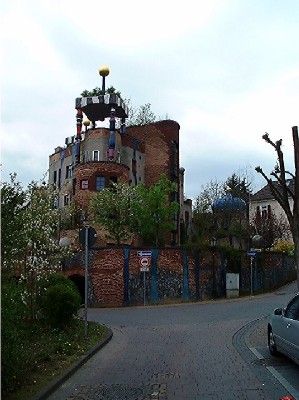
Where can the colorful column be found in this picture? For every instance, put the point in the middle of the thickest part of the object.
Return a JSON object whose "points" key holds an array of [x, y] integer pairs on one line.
{"points": [[79, 118], [111, 149]]}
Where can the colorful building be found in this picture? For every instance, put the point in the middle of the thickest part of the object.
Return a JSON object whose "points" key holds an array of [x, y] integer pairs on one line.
{"points": [[97, 156]]}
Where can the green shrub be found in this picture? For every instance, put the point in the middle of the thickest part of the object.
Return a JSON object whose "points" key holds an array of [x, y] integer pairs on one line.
{"points": [[60, 302], [285, 247], [13, 334]]}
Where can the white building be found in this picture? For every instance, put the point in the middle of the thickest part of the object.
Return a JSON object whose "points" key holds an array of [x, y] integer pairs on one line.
{"points": [[262, 203]]}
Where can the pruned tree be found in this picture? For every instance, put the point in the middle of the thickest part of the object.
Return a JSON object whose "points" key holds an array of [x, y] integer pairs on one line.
{"points": [[285, 194], [270, 227]]}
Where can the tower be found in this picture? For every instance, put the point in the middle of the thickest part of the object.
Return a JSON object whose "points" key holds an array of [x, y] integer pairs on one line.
{"points": [[97, 156]]}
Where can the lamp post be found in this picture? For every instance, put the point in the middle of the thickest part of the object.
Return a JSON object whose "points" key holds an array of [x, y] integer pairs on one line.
{"points": [[258, 242], [103, 71], [213, 243], [87, 237], [86, 123]]}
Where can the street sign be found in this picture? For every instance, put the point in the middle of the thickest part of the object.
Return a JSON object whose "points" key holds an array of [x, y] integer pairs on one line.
{"points": [[144, 253], [145, 263], [92, 236], [251, 253]]}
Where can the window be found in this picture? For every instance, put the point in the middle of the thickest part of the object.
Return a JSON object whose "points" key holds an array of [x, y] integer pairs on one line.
{"points": [[174, 196], [113, 179], [59, 178], [134, 166], [100, 183], [66, 199], [86, 156], [55, 177], [174, 159], [292, 310], [96, 155], [74, 186], [84, 184], [187, 216], [68, 172]]}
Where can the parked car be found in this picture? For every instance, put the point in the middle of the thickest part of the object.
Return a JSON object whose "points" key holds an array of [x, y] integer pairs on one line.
{"points": [[283, 330]]}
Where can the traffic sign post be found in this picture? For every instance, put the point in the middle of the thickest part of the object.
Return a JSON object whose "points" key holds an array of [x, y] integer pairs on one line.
{"points": [[145, 263], [251, 253], [145, 258]]}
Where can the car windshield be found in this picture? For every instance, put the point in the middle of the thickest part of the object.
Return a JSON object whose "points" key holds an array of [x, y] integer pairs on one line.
{"points": [[292, 310]]}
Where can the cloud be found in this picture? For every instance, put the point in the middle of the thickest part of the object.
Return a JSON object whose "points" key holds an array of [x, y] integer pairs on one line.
{"points": [[225, 71]]}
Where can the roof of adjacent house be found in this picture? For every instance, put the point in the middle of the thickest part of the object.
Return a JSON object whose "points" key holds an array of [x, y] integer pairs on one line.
{"points": [[266, 194]]}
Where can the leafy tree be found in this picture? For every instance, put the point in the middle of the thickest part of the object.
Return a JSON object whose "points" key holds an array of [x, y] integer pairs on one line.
{"points": [[111, 208], [281, 189], [210, 192], [97, 91], [13, 202], [124, 210], [153, 211], [32, 253], [225, 223], [237, 186], [142, 116]]}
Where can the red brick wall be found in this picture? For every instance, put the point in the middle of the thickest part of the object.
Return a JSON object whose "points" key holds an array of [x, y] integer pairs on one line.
{"points": [[107, 268], [89, 171], [157, 138], [107, 277], [107, 272]]}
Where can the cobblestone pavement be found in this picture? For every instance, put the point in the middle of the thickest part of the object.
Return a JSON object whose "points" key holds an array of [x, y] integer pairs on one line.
{"points": [[189, 352]]}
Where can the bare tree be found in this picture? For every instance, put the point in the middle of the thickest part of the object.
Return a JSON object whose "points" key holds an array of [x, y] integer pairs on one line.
{"points": [[282, 191], [270, 227]]}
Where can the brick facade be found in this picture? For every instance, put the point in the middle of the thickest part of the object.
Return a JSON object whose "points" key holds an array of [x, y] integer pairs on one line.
{"points": [[141, 155], [115, 278]]}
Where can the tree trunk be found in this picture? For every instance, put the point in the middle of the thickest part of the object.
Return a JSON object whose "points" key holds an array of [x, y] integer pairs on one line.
{"points": [[296, 246]]}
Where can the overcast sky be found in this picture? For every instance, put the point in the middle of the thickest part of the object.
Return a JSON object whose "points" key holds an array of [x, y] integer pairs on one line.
{"points": [[225, 70]]}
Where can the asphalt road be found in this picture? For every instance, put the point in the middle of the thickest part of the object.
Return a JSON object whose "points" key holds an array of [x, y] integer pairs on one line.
{"points": [[207, 350]]}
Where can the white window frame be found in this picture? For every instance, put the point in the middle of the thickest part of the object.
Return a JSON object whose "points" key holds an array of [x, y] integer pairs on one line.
{"points": [[94, 153], [84, 184]]}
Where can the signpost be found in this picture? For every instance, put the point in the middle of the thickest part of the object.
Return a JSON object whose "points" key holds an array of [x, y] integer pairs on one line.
{"points": [[145, 258], [251, 253]]}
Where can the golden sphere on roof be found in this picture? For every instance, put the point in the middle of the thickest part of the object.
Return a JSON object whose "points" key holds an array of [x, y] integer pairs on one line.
{"points": [[86, 122], [104, 70]]}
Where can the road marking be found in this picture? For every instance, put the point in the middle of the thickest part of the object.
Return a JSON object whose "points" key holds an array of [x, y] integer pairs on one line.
{"points": [[277, 375]]}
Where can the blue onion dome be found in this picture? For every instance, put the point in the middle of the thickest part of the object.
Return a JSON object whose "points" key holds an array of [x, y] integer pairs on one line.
{"points": [[229, 203]]}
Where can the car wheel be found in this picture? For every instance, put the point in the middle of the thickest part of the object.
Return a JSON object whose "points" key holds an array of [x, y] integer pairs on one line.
{"points": [[271, 342]]}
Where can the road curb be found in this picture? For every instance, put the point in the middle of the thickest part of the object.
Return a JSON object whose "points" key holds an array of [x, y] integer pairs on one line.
{"points": [[49, 389]]}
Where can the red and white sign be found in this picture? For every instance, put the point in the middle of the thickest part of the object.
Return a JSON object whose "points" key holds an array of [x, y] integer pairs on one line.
{"points": [[145, 263]]}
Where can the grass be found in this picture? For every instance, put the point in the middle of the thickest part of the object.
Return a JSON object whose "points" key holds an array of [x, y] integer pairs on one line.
{"points": [[49, 353]]}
